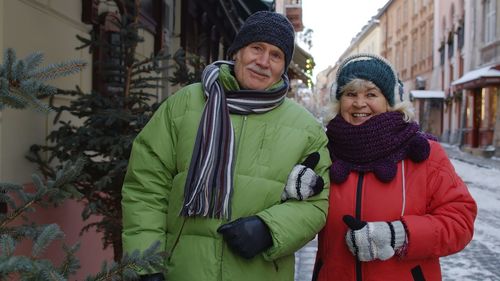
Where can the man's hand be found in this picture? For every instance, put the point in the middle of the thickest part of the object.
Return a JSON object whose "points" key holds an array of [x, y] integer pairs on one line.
{"points": [[302, 181], [247, 236], [374, 240]]}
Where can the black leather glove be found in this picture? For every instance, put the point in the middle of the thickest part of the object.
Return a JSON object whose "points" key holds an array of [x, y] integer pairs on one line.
{"points": [[302, 181], [152, 277], [247, 236]]}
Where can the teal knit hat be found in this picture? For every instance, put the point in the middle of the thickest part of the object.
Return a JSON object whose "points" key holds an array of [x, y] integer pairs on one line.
{"points": [[269, 27], [372, 68]]}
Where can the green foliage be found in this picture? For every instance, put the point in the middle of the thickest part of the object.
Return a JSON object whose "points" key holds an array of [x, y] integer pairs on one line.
{"points": [[130, 264], [16, 201], [22, 82], [21, 201], [112, 116], [188, 68]]}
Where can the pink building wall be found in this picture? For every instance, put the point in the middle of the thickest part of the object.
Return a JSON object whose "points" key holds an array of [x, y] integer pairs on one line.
{"points": [[68, 217]]}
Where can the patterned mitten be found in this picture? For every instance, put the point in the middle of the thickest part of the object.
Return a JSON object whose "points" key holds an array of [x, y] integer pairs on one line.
{"points": [[374, 240], [302, 181]]}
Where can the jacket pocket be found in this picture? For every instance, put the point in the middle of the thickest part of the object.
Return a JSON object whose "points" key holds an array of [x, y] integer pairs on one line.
{"points": [[317, 268], [417, 273]]}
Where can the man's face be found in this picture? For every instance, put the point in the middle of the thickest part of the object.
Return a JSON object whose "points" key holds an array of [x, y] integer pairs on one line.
{"points": [[258, 65]]}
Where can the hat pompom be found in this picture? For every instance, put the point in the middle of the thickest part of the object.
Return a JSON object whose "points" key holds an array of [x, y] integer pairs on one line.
{"points": [[338, 171], [385, 171], [419, 149]]}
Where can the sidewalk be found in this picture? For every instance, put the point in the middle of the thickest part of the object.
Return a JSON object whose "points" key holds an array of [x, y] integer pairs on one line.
{"points": [[455, 153]]}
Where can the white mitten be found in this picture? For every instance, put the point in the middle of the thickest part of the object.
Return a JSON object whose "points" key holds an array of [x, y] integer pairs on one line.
{"points": [[374, 240], [302, 181]]}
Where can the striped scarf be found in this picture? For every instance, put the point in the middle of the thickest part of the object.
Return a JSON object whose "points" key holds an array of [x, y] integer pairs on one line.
{"points": [[209, 182]]}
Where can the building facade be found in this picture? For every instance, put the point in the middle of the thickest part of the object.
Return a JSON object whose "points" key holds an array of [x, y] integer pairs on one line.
{"points": [[479, 86], [450, 53], [408, 42]]}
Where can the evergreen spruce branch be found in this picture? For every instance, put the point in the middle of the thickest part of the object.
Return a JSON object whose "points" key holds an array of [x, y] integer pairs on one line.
{"points": [[146, 79], [28, 98], [57, 70], [12, 99], [50, 274], [46, 91], [6, 189], [20, 232], [85, 42], [143, 70], [22, 82], [68, 174], [18, 71], [44, 167], [127, 268], [70, 264], [33, 60], [17, 212], [8, 61], [132, 29], [7, 245], [15, 264], [141, 86], [48, 234]]}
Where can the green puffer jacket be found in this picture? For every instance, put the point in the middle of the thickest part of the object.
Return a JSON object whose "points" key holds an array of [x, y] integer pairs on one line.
{"points": [[267, 147]]}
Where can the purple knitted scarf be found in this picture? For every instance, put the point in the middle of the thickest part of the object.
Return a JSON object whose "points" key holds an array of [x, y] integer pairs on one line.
{"points": [[377, 145]]}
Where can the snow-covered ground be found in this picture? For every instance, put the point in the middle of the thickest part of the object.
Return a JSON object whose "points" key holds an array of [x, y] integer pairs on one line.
{"points": [[480, 260]]}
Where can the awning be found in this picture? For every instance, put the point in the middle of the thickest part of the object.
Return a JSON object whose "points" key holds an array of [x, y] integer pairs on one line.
{"points": [[426, 94], [478, 77], [299, 64]]}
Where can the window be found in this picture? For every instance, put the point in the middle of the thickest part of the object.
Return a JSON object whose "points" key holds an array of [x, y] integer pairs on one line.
{"points": [[441, 54], [405, 52], [414, 49], [405, 11], [398, 17], [450, 44], [489, 21], [152, 16], [460, 35]]}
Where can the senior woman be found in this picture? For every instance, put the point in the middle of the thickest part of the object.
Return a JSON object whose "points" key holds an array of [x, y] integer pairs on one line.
{"points": [[396, 203]]}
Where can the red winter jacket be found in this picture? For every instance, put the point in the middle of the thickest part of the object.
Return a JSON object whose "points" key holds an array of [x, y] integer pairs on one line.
{"points": [[438, 213]]}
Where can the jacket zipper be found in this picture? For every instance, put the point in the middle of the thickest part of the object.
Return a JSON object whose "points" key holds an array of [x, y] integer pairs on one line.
{"points": [[359, 191], [170, 254], [238, 141], [237, 149], [243, 126]]}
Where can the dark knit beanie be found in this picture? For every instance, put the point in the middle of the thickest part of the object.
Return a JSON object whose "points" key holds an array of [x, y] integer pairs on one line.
{"points": [[269, 27], [372, 68]]}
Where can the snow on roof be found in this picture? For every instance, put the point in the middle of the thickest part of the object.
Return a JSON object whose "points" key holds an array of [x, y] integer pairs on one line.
{"points": [[488, 71], [427, 94]]}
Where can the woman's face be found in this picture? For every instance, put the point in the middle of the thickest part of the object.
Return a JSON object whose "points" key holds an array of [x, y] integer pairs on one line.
{"points": [[361, 101]]}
